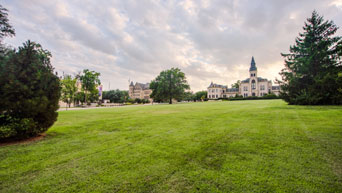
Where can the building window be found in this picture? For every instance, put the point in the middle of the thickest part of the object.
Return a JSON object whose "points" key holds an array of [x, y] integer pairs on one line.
{"points": [[245, 88], [262, 87], [216, 90], [253, 84], [224, 96], [216, 96]]}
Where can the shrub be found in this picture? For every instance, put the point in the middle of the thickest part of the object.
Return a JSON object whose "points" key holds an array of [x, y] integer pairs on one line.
{"points": [[29, 92], [137, 100], [18, 128]]}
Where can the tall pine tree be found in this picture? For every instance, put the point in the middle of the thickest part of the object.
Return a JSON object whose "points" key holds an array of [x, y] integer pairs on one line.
{"points": [[313, 70]]}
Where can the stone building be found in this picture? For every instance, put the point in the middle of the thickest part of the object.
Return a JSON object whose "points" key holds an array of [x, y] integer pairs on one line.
{"points": [[140, 91], [252, 86]]}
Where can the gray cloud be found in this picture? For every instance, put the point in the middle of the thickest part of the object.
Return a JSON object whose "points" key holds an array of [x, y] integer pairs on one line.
{"points": [[208, 40]]}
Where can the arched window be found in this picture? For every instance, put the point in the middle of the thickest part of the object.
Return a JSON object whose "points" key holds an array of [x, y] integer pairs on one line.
{"points": [[253, 84]]}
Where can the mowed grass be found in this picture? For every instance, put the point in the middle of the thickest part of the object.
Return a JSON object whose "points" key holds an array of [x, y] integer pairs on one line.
{"points": [[240, 146]]}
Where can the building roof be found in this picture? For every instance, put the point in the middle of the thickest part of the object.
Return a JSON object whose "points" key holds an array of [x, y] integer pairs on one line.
{"points": [[213, 85], [253, 67], [143, 86], [245, 81], [131, 84], [260, 79], [232, 89]]}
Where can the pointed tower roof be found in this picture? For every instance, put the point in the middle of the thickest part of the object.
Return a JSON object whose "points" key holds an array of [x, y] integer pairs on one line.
{"points": [[131, 84], [253, 67]]}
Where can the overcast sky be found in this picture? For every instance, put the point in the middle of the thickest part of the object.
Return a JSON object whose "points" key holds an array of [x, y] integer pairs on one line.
{"points": [[208, 40]]}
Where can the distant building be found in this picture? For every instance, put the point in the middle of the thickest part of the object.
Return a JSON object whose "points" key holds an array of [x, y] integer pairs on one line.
{"points": [[140, 91], [252, 86]]}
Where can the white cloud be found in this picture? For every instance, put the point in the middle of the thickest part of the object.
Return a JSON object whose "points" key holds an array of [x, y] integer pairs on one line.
{"points": [[208, 40]]}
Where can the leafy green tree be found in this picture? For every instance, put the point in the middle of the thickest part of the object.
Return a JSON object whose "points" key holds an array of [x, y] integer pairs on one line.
{"points": [[80, 97], [170, 84], [236, 85], [90, 80], [116, 96], [69, 89], [188, 96], [137, 100], [313, 70], [201, 95], [29, 92], [5, 27]]}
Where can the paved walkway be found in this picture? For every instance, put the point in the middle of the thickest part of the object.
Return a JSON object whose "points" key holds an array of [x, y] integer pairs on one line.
{"points": [[85, 108]]}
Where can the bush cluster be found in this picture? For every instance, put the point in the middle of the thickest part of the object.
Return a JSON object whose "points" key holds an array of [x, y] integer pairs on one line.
{"points": [[239, 97]]}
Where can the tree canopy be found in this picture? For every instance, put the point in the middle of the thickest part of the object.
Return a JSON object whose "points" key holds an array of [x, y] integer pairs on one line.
{"points": [[170, 84], [69, 89], [6, 28], [313, 70], [236, 85], [116, 96], [90, 80]]}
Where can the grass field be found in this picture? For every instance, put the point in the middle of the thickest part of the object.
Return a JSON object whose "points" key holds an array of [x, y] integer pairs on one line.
{"points": [[240, 146]]}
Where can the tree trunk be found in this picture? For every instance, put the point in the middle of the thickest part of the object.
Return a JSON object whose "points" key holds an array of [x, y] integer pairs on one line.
{"points": [[170, 100]]}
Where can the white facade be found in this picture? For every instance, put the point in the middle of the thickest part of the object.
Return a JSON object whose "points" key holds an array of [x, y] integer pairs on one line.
{"points": [[252, 86]]}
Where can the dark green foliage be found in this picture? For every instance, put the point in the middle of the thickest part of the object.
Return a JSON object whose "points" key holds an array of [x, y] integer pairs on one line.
{"points": [[239, 97], [188, 96], [201, 95], [313, 71], [29, 92], [80, 98], [198, 96], [5, 28], [116, 96], [170, 84], [237, 84]]}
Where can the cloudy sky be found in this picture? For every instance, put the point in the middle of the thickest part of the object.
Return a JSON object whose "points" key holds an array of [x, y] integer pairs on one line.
{"points": [[208, 40]]}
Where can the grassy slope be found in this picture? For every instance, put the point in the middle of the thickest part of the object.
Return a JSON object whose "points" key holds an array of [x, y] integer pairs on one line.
{"points": [[207, 147]]}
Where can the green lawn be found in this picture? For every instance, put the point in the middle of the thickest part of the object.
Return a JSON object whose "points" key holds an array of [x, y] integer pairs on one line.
{"points": [[240, 146]]}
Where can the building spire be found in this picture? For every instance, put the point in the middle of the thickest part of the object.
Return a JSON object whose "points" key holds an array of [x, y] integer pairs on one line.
{"points": [[253, 67]]}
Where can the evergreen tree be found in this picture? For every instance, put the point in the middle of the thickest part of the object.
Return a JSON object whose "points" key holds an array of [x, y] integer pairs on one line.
{"points": [[313, 71], [29, 92], [170, 84], [5, 27]]}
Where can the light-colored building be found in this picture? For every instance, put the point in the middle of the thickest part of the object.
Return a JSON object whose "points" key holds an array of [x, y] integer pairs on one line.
{"points": [[252, 86], [140, 91]]}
